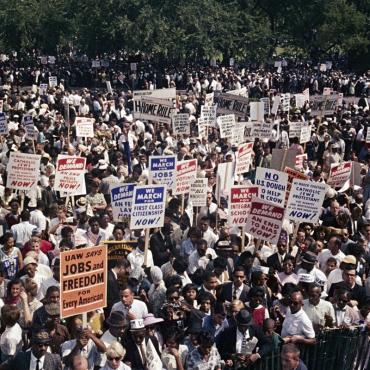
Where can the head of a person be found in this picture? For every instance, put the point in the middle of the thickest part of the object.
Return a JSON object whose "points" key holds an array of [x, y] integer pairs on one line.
{"points": [[190, 292], [30, 287], [8, 241], [289, 357], [40, 341], [35, 242], [206, 341], [331, 264], [334, 207], [238, 276], [206, 301], [246, 260], [117, 324], [342, 297], [218, 313], [243, 320], [295, 302], [14, 206], [282, 245], [127, 296], [204, 224], [115, 354], [30, 266], [10, 315], [308, 261], [259, 278], [137, 330], [210, 281], [202, 247], [118, 232], [256, 296], [288, 265], [349, 276], [334, 244], [14, 288], [314, 293], [268, 326], [61, 213], [52, 294], [94, 225]]}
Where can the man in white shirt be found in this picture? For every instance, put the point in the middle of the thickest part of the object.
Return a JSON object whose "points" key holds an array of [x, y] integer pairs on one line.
{"points": [[334, 250], [297, 327], [131, 308], [200, 257], [136, 257], [37, 216], [207, 234], [22, 232]]}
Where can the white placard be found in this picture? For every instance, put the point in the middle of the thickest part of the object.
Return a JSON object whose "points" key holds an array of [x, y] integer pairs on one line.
{"points": [[198, 192], [240, 203], [70, 174], [244, 158], [53, 81], [121, 197], [186, 173], [226, 124], [257, 111], [181, 124], [153, 109], [162, 170], [84, 127], [3, 124]]}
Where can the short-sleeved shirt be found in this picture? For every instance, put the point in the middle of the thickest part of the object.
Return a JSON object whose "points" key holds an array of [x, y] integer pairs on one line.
{"points": [[297, 324]]}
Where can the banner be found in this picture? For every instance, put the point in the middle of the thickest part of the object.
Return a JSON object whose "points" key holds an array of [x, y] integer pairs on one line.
{"points": [[244, 158], [305, 201], [23, 171], [272, 185], [198, 192], [53, 81], [83, 280], [226, 124], [148, 206], [240, 204], [3, 124], [153, 109], [186, 173], [339, 174], [121, 197], [181, 124], [69, 174], [84, 127], [119, 249], [169, 93], [257, 111], [231, 104], [241, 92], [162, 170], [265, 220]]}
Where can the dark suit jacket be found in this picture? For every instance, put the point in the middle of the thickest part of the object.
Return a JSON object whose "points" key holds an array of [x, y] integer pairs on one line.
{"points": [[22, 361], [113, 291], [159, 246], [226, 341], [49, 197], [132, 353], [358, 292], [226, 293], [273, 261]]}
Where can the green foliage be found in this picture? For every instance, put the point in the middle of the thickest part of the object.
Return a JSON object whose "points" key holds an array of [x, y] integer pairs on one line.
{"points": [[196, 29]]}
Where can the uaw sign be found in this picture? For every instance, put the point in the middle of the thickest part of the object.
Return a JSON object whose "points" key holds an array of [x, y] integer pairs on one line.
{"points": [[152, 109], [231, 104]]}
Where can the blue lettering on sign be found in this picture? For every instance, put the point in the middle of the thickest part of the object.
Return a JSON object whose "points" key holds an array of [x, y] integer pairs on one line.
{"points": [[158, 164], [122, 192], [149, 195]]}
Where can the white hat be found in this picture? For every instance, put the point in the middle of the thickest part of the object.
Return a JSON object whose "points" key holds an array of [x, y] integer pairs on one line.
{"points": [[102, 164], [137, 324], [29, 260]]}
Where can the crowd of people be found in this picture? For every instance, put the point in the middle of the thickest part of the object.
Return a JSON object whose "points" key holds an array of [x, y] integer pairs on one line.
{"points": [[209, 296]]}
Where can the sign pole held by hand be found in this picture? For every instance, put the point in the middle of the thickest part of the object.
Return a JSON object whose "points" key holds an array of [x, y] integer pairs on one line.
{"points": [[294, 237], [147, 232]]}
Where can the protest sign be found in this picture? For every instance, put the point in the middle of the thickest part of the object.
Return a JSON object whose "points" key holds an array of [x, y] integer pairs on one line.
{"points": [[118, 249], [153, 109], [239, 204], [293, 174], [282, 158], [306, 93], [257, 111], [275, 105], [1, 105], [299, 159], [300, 100], [69, 174], [133, 67], [265, 220], [226, 124], [29, 126], [262, 130], [83, 280], [248, 131], [224, 179], [242, 92], [305, 201], [238, 133], [208, 100], [285, 102], [272, 185], [84, 127], [43, 88], [231, 104], [148, 206], [368, 135], [162, 170], [3, 124], [305, 133], [339, 174], [53, 81], [209, 114], [202, 128], [109, 87], [198, 192], [266, 105], [295, 129], [181, 124], [23, 171], [95, 63], [51, 59], [186, 173], [244, 158], [121, 196], [153, 361], [165, 94], [277, 64], [324, 105]]}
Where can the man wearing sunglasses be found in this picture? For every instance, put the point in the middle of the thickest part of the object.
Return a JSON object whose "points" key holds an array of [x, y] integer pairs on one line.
{"points": [[297, 327]]}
